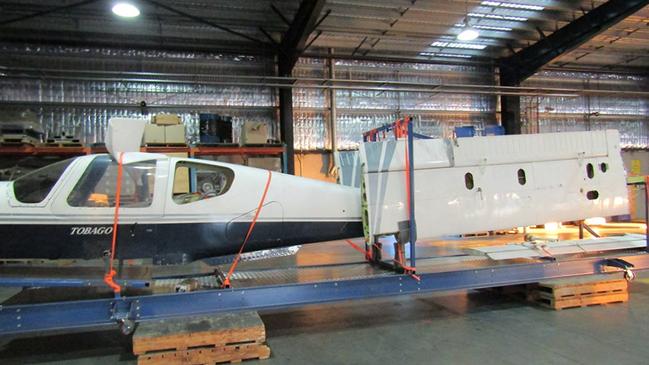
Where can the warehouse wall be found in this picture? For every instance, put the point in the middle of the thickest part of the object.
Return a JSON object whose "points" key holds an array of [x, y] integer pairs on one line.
{"points": [[361, 110], [636, 163], [81, 105], [81, 102], [314, 165], [629, 115]]}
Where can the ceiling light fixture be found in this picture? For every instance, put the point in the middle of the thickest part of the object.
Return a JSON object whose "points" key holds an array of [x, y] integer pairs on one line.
{"points": [[469, 33], [126, 9]]}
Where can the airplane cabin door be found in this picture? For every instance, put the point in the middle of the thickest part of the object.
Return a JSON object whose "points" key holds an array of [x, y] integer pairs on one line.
{"points": [[87, 206]]}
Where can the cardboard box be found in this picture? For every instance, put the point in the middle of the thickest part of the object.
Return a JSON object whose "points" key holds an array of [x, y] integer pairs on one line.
{"points": [[253, 133], [165, 119], [175, 134], [181, 175], [235, 159], [154, 134], [266, 163]]}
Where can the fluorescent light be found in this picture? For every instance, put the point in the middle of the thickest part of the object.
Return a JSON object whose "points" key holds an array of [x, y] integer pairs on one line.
{"points": [[459, 45], [512, 5], [126, 10], [498, 17], [453, 55], [468, 34], [449, 55]]}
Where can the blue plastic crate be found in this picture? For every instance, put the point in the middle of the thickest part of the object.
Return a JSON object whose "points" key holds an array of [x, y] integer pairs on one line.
{"points": [[494, 130], [466, 131]]}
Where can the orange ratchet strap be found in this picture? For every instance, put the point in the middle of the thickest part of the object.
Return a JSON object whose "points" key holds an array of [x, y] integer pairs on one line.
{"points": [[110, 275], [368, 254], [226, 282]]}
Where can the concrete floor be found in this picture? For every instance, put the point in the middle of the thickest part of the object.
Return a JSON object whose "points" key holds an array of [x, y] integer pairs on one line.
{"points": [[467, 327]]}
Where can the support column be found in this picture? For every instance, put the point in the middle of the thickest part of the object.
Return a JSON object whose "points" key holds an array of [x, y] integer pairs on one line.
{"points": [[510, 113], [286, 125], [510, 105], [332, 109]]}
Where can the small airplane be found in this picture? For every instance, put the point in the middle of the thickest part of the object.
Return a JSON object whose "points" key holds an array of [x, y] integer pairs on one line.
{"points": [[180, 210], [172, 210]]}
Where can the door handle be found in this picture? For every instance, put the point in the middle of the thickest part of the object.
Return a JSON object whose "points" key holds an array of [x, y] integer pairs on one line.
{"points": [[132, 229]]}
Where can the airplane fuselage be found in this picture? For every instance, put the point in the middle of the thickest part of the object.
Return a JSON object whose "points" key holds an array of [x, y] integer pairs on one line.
{"points": [[173, 210]]}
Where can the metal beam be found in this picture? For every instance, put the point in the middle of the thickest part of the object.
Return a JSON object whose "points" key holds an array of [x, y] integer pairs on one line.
{"points": [[292, 46], [526, 62], [105, 313], [286, 126], [47, 12], [295, 38], [212, 24]]}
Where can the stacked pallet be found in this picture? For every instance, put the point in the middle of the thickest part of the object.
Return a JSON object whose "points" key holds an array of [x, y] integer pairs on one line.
{"points": [[579, 292], [230, 337]]}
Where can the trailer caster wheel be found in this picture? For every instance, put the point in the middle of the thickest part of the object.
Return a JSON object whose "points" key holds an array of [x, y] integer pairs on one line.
{"points": [[127, 327]]}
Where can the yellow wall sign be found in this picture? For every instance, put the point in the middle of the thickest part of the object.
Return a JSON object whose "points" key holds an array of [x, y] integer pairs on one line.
{"points": [[636, 168]]}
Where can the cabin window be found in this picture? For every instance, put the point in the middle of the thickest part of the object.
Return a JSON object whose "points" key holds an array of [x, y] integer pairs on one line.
{"points": [[590, 171], [521, 177], [36, 185], [197, 181], [592, 195], [603, 167], [468, 180], [98, 184]]}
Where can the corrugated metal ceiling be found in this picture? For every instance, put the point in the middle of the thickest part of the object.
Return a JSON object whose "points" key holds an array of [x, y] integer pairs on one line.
{"points": [[400, 29]]}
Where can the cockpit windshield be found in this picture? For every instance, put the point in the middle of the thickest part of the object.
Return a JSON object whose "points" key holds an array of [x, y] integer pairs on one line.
{"points": [[35, 186]]}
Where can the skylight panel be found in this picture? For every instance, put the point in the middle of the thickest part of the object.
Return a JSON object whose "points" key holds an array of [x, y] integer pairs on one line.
{"points": [[459, 45], [498, 17], [449, 55], [486, 27], [501, 4]]}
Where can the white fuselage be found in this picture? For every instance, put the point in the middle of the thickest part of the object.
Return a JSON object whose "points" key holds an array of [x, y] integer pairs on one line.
{"points": [[296, 210]]}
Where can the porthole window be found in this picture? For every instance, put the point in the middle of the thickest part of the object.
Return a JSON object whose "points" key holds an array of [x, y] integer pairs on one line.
{"points": [[468, 180], [603, 167], [592, 195], [590, 171], [521, 177]]}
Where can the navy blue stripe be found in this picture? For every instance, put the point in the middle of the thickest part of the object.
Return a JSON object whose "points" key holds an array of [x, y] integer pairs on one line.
{"points": [[165, 243]]}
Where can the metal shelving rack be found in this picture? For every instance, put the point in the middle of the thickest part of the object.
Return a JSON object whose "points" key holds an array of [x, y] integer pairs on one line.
{"points": [[192, 151]]}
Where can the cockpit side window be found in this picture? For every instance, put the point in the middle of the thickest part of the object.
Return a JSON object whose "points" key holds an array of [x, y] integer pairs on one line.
{"points": [[97, 187], [36, 186], [196, 181]]}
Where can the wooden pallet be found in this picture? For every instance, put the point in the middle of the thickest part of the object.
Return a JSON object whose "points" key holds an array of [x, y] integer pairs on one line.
{"points": [[230, 337], [214, 355], [581, 292]]}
